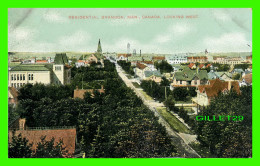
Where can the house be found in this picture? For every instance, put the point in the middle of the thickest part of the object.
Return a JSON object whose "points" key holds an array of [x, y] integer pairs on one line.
{"points": [[67, 134], [205, 93], [225, 76], [239, 71], [42, 61], [192, 66], [176, 67], [79, 93], [246, 80], [149, 64], [140, 69], [57, 73], [153, 75], [199, 59], [249, 59], [202, 66], [176, 59], [123, 57], [188, 77], [158, 58], [12, 95]]}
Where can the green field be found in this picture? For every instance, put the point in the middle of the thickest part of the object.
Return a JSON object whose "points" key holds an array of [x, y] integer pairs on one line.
{"points": [[147, 97], [136, 85], [173, 121]]}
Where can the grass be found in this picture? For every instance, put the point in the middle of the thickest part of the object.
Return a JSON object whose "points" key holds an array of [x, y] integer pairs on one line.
{"points": [[173, 121], [202, 151], [147, 97], [129, 76], [136, 85]]}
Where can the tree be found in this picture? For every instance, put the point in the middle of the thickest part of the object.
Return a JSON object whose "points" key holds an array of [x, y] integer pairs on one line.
{"points": [[164, 66], [47, 149], [180, 93], [19, 147], [236, 76], [228, 138]]}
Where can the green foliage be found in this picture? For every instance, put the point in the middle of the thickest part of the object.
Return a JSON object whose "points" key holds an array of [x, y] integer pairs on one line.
{"points": [[236, 76], [241, 66], [164, 66], [126, 66], [228, 139], [192, 91], [47, 149], [155, 90], [180, 93], [19, 147], [221, 67], [114, 124]]}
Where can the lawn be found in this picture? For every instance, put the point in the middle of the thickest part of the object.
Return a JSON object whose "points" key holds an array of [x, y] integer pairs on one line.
{"points": [[147, 97], [202, 151], [173, 121], [136, 85]]}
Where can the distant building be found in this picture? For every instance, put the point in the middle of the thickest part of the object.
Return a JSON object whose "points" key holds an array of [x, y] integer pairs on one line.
{"points": [[79, 93], [153, 75], [128, 48], [57, 73], [176, 59], [206, 93], [12, 95], [67, 134], [199, 59], [189, 78]]}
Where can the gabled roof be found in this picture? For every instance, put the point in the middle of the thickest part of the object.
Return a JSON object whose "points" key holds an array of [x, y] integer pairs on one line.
{"points": [[152, 73], [140, 66], [187, 74], [201, 66], [68, 136], [32, 67], [158, 58], [248, 78], [216, 86], [191, 65], [61, 58]]}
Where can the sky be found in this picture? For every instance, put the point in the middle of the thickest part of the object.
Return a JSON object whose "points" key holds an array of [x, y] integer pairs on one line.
{"points": [[177, 30]]}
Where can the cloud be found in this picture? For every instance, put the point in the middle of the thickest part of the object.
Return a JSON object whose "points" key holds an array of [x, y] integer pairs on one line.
{"points": [[54, 17], [221, 15], [174, 32], [234, 41], [74, 40]]}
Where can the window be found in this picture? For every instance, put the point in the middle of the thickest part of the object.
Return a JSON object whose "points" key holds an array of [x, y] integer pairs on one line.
{"points": [[12, 77], [57, 67], [12, 84], [21, 84], [29, 77], [32, 76], [15, 77], [23, 76], [180, 82], [15, 85]]}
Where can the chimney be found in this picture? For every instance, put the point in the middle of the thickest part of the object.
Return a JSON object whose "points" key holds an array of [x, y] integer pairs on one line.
{"points": [[22, 124], [229, 85]]}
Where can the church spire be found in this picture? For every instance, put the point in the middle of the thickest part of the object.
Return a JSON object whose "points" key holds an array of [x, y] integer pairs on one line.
{"points": [[99, 49]]}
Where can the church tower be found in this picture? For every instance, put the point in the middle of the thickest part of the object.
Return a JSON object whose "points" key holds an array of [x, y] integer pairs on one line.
{"points": [[99, 49]]}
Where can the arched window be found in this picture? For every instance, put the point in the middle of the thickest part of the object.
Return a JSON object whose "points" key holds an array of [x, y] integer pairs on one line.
{"points": [[29, 77]]}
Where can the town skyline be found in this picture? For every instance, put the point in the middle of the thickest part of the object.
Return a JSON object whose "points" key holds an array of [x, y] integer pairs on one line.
{"points": [[218, 30]]}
